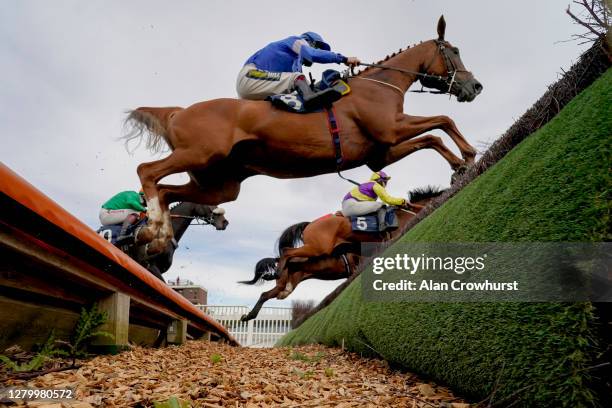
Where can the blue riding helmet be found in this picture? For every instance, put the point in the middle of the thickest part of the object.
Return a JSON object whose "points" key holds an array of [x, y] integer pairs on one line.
{"points": [[316, 41]]}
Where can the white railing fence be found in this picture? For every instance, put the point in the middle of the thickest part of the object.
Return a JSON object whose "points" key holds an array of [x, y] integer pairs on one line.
{"points": [[271, 323]]}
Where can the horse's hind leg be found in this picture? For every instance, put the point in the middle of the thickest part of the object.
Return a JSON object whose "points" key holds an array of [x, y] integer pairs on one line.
{"points": [[193, 193], [160, 226]]}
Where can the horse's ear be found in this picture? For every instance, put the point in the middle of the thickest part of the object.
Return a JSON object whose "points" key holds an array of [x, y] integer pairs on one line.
{"points": [[441, 28]]}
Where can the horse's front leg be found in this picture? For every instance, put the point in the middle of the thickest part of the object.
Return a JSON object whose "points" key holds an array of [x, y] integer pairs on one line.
{"points": [[267, 295], [403, 149], [408, 127], [293, 280]]}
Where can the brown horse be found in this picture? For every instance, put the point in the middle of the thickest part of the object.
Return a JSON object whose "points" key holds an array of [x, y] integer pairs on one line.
{"points": [[330, 251], [224, 141]]}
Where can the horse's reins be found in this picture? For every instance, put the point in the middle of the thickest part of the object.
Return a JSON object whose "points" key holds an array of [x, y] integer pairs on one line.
{"points": [[449, 79], [205, 220], [406, 211], [418, 74]]}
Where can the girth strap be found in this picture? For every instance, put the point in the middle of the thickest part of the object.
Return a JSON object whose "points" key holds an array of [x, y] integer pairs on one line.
{"points": [[347, 266], [334, 130]]}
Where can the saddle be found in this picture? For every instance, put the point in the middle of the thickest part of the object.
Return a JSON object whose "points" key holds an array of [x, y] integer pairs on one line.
{"points": [[331, 83], [382, 220]]}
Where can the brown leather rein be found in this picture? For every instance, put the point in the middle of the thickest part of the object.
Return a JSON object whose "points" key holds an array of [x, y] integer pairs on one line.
{"points": [[449, 79]]}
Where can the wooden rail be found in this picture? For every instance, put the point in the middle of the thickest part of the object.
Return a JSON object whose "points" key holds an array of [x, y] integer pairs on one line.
{"points": [[51, 265]]}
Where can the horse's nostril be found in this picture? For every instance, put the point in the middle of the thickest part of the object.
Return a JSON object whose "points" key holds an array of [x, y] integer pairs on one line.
{"points": [[478, 87]]}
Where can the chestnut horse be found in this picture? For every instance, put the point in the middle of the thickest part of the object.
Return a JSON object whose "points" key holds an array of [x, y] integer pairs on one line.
{"points": [[330, 251], [221, 142]]}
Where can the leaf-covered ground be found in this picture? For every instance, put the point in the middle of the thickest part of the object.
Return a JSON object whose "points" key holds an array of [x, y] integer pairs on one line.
{"points": [[207, 374]]}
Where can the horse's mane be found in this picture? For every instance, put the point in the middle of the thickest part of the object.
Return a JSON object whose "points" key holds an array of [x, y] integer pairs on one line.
{"points": [[387, 58], [423, 193]]}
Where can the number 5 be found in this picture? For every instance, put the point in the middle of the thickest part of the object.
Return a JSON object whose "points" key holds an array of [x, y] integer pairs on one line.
{"points": [[362, 224]]}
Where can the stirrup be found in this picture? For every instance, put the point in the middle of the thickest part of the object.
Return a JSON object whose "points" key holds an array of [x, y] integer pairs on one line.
{"points": [[316, 99], [322, 99]]}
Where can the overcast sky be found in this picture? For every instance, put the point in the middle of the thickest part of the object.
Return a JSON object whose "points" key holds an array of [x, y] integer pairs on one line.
{"points": [[70, 70]]}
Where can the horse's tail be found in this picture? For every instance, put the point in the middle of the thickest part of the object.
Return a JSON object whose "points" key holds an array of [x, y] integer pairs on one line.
{"points": [[152, 120], [265, 269], [292, 236]]}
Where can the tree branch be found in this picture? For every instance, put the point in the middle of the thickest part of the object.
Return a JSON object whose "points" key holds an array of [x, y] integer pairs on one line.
{"points": [[591, 29], [591, 10]]}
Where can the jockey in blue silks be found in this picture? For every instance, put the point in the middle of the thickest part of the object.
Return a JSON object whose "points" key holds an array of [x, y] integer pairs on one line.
{"points": [[277, 68]]}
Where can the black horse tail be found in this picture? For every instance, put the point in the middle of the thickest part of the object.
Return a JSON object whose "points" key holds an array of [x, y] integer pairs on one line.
{"points": [[264, 269], [292, 236]]}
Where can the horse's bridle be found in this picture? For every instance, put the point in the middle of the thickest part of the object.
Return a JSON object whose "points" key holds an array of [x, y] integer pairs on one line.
{"points": [[429, 80], [451, 69], [207, 220]]}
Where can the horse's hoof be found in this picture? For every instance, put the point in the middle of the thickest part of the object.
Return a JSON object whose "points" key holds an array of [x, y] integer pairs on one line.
{"points": [[459, 171], [470, 159], [244, 318]]}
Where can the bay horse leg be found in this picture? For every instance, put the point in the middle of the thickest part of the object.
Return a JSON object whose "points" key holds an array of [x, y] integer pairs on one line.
{"points": [[407, 147], [267, 295], [412, 126], [294, 279]]}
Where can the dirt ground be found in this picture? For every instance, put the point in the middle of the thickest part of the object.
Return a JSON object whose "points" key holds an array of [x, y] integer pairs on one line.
{"points": [[203, 374]]}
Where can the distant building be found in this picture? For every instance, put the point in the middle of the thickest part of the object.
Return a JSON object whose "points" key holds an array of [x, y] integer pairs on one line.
{"points": [[196, 294]]}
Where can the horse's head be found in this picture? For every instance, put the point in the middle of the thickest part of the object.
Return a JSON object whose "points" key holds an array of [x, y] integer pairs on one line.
{"points": [[215, 216], [445, 71]]}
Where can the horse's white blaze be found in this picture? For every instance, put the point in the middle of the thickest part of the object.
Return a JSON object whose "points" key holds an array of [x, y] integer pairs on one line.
{"points": [[219, 211]]}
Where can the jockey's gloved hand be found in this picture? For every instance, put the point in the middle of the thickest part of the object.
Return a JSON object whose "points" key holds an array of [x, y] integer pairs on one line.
{"points": [[351, 61]]}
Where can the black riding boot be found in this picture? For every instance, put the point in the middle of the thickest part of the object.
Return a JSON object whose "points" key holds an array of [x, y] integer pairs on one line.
{"points": [[316, 99], [393, 223], [124, 239], [382, 223]]}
